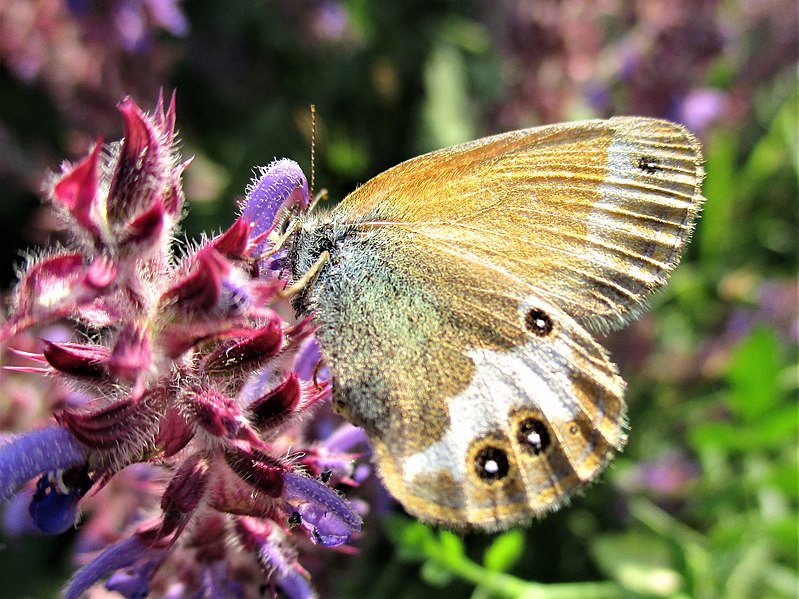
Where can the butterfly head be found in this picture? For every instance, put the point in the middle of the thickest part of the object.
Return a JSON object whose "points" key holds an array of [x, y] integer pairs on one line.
{"points": [[316, 234]]}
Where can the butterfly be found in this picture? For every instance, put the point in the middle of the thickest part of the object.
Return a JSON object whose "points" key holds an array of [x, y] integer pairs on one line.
{"points": [[455, 296]]}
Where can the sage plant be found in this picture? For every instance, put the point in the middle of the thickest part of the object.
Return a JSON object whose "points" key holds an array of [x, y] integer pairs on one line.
{"points": [[190, 394]]}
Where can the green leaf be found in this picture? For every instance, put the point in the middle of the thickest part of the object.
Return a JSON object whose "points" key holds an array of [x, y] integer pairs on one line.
{"points": [[505, 551], [436, 573], [413, 540], [640, 563], [446, 116], [346, 155], [451, 546], [719, 188], [769, 432], [776, 149], [716, 434], [753, 372]]}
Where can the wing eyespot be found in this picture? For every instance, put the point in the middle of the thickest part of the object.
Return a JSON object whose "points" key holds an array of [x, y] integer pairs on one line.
{"points": [[491, 463], [488, 460], [538, 322], [533, 435], [649, 164]]}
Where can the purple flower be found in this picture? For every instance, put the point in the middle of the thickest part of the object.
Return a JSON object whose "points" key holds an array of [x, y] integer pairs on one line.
{"points": [[191, 401], [134, 584], [281, 184], [669, 475], [322, 511], [700, 108], [308, 362], [54, 507], [134, 20], [166, 14], [29, 455], [330, 21], [276, 556], [116, 557]]}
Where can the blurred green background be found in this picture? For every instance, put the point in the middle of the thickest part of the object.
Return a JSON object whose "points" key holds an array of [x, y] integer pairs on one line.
{"points": [[703, 502]]}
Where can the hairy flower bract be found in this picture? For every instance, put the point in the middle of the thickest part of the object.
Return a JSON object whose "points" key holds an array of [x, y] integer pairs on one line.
{"points": [[188, 392]]}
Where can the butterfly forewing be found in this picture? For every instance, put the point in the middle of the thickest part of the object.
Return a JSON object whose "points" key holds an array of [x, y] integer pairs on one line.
{"points": [[594, 214]]}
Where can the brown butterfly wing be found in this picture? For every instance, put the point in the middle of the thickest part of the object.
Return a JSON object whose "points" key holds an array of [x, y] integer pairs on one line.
{"points": [[593, 214], [454, 370], [452, 315]]}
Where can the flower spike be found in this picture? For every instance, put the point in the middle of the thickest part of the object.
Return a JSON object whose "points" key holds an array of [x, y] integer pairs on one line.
{"points": [[179, 387]]}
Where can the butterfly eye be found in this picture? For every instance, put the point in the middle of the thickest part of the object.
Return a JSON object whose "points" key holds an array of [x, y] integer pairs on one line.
{"points": [[533, 435], [339, 406], [491, 463], [649, 164], [538, 322], [285, 224]]}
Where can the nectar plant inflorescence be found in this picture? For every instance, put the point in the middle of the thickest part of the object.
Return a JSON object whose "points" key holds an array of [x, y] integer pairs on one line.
{"points": [[184, 438]]}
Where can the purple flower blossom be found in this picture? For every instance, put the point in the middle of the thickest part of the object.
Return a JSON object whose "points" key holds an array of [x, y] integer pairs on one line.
{"points": [[308, 361], [54, 507], [282, 184], [120, 555], [330, 21], [190, 381], [322, 511], [134, 20], [700, 108], [29, 455], [276, 556]]}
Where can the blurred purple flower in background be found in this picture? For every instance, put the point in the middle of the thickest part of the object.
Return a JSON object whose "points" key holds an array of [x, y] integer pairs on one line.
{"points": [[89, 53], [578, 59], [185, 442], [701, 107]]}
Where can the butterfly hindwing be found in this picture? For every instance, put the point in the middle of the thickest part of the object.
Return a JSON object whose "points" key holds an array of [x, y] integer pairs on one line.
{"points": [[446, 378]]}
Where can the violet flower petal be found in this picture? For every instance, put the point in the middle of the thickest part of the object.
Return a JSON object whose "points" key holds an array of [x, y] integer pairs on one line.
{"points": [[54, 507], [28, 455], [345, 438], [700, 107], [218, 585], [307, 359], [117, 556], [16, 517], [282, 182], [167, 14], [284, 575], [325, 514], [135, 584]]}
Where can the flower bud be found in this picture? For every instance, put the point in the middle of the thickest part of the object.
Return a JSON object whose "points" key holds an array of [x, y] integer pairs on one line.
{"points": [[77, 191], [78, 360], [248, 352], [258, 469]]}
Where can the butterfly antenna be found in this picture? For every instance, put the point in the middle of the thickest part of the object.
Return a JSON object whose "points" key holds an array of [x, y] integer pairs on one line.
{"points": [[313, 148], [323, 192]]}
